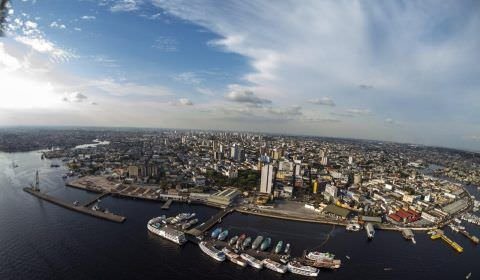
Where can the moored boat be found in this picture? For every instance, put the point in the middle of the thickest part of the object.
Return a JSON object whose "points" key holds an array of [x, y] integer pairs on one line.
{"points": [[278, 247], [223, 235], [216, 232], [275, 266], [233, 257], [265, 244], [305, 270], [213, 252], [246, 242], [252, 261], [233, 240], [256, 243]]}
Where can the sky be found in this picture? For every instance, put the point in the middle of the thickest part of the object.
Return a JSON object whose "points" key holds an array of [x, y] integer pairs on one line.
{"points": [[404, 71]]}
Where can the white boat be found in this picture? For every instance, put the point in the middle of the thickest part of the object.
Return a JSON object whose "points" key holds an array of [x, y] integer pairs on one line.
{"points": [[370, 230], [305, 270], [353, 227], [275, 266], [319, 256], [213, 252], [156, 226], [233, 257], [252, 261]]}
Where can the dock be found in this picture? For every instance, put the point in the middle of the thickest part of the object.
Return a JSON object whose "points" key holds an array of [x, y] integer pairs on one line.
{"points": [[167, 204], [92, 201], [453, 244], [202, 228], [82, 209]]}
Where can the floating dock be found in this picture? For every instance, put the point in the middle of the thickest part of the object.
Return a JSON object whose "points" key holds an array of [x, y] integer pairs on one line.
{"points": [[167, 204], [82, 209], [440, 234]]}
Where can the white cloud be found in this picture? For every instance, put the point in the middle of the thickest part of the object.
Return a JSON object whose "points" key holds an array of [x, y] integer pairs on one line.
{"points": [[126, 5], [241, 94], [57, 25], [188, 78], [185, 102], [77, 29], [86, 17], [165, 44], [327, 101]]}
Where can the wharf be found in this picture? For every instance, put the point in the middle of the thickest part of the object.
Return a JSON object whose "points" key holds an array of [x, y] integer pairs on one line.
{"points": [[167, 204], [82, 209], [440, 234], [202, 228]]}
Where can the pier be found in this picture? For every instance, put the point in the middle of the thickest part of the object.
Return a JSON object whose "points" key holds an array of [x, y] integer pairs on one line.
{"points": [[439, 234], [82, 209], [202, 228], [102, 195], [167, 204]]}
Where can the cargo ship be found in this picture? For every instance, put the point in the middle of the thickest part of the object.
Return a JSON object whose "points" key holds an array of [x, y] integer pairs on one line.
{"points": [[213, 252], [278, 247], [223, 235], [246, 243], [257, 242], [265, 244], [305, 270], [216, 232], [252, 261], [275, 266], [233, 257], [156, 227]]}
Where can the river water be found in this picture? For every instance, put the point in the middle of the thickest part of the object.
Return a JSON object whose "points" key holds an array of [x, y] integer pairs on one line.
{"points": [[39, 240]]}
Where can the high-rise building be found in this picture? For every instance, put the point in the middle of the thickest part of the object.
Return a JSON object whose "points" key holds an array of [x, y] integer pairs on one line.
{"points": [[350, 160], [267, 179]]}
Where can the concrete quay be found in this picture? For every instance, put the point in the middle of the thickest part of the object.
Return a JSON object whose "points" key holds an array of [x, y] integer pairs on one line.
{"points": [[82, 209]]}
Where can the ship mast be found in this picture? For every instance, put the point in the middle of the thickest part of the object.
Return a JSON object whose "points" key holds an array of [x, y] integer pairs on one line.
{"points": [[37, 182]]}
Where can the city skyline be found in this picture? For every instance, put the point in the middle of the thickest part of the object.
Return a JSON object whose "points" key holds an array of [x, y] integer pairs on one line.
{"points": [[400, 71]]}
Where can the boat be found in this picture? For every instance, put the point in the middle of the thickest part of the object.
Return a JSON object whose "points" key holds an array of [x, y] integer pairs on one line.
{"points": [[305, 270], [213, 252], [408, 234], [468, 275], [240, 241], [319, 256], [353, 227], [348, 257], [233, 257], [156, 226], [223, 235], [54, 165], [188, 224], [275, 266], [387, 268], [216, 232], [256, 243], [246, 242], [370, 230], [265, 244], [76, 203], [233, 240], [182, 217], [278, 247], [252, 261], [287, 248]]}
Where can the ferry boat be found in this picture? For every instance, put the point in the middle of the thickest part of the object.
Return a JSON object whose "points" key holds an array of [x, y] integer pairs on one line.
{"points": [[319, 256], [257, 242], [233, 257], [213, 252], [216, 232], [370, 230], [233, 240], [246, 242], [155, 226], [305, 270], [252, 261], [223, 235], [278, 247], [353, 227], [265, 244], [275, 266]]}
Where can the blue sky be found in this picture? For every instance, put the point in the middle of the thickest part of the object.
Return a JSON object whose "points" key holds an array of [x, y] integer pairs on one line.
{"points": [[390, 70]]}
